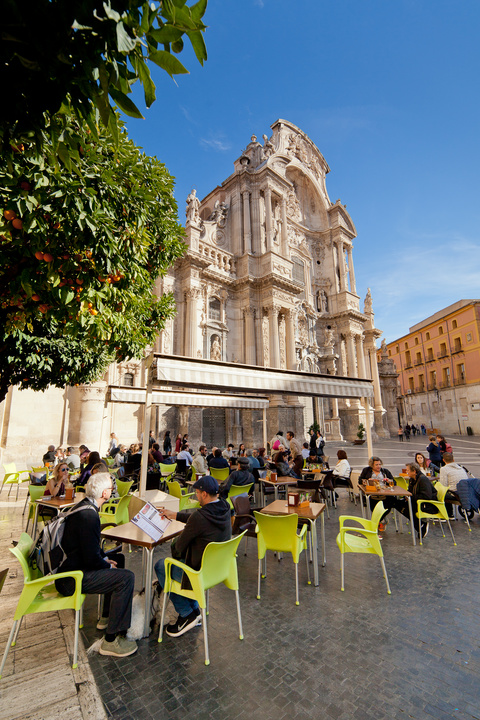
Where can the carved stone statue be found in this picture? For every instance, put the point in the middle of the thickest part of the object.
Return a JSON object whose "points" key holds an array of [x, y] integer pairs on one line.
{"points": [[322, 301], [293, 206], [216, 350], [193, 205], [384, 348], [219, 214], [268, 147], [368, 302], [328, 337]]}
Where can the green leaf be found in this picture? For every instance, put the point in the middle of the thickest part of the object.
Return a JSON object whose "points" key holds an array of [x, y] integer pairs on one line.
{"points": [[198, 44], [125, 104], [124, 42], [166, 34], [168, 62], [64, 155], [147, 82], [198, 10]]}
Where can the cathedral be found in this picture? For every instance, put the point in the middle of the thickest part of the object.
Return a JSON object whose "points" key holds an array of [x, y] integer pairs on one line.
{"points": [[267, 281]]}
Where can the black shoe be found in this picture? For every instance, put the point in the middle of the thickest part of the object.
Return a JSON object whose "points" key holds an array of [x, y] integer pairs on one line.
{"points": [[425, 527], [183, 624]]}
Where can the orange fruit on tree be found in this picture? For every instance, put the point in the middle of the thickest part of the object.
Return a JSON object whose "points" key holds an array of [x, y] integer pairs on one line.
{"points": [[39, 255], [17, 224], [9, 215], [48, 257]]}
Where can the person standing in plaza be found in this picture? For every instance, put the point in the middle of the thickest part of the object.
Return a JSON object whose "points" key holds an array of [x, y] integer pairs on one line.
{"points": [[296, 453]]}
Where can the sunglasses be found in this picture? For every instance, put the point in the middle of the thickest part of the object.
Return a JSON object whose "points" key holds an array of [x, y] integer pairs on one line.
{"points": [[64, 469]]}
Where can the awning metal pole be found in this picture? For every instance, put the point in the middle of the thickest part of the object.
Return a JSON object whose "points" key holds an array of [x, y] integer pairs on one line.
{"points": [[366, 405], [147, 422], [265, 428]]}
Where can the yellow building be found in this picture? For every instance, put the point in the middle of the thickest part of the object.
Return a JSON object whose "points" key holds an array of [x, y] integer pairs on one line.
{"points": [[438, 363]]}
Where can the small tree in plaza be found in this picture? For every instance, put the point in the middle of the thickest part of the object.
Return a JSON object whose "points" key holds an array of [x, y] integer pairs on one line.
{"points": [[81, 250], [87, 221]]}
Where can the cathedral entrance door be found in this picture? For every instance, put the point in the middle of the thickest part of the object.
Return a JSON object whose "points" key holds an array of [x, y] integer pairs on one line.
{"points": [[213, 427]]}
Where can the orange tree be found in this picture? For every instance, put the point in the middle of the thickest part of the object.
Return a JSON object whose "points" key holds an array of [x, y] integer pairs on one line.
{"points": [[81, 250]]}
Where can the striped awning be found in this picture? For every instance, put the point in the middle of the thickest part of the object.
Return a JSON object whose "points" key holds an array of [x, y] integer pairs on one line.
{"points": [[164, 397], [212, 375]]}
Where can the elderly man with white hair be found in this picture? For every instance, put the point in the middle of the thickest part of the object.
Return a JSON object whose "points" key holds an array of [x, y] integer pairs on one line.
{"points": [[102, 573]]}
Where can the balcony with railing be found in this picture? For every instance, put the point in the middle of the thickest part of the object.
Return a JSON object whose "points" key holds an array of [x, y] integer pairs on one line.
{"points": [[432, 386], [420, 389], [442, 354], [408, 365], [430, 358], [419, 361], [462, 380], [457, 348], [444, 384]]}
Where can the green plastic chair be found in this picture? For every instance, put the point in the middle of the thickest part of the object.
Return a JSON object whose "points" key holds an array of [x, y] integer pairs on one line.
{"points": [[402, 482], [123, 487], [279, 533], [237, 490], [219, 565], [108, 461], [441, 515], [12, 477], [167, 470], [349, 541], [185, 503], [35, 492], [39, 595], [115, 512], [220, 474]]}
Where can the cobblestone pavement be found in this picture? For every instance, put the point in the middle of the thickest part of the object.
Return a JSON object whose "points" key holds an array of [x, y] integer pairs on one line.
{"points": [[360, 654]]}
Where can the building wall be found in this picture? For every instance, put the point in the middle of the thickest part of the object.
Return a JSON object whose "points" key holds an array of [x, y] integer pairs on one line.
{"points": [[438, 363]]}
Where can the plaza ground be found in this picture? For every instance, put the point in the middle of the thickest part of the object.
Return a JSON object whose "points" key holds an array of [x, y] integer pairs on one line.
{"points": [[359, 654]]}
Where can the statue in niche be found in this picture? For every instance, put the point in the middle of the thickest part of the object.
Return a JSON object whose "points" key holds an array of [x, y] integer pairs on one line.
{"points": [[193, 206], [219, 214], [322, 301], [328, 337], [268, 147], [293, 206], [368, 302], [216, 349]]}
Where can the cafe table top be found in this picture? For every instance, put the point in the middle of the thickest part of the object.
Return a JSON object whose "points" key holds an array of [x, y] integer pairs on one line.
{"points": [[281, 480], [60, 502], [395, 491], [157, 498], [280, 507], [306, 471], [131, 534]]}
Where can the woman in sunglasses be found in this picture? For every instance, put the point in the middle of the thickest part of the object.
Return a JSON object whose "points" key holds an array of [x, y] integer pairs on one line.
{"points": [[57, 480]]}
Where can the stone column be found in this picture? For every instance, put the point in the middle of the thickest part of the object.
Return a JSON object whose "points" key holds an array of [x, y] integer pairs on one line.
{"points": [[360, 357], [353, 286], [341, 265], [352, 365], [236, 224], [87, 411], [273, 334], [191, 324], [290, 341], [284, 243], [249, 322], [268, 218], [247, 230], [372, 356], [256, 223]]}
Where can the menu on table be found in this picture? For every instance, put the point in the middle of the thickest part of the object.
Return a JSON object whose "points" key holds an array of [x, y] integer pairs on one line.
{"points": [[151, 522]]}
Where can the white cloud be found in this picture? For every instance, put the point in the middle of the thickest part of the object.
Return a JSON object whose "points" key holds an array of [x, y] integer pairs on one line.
{"points": [[216, 144]]}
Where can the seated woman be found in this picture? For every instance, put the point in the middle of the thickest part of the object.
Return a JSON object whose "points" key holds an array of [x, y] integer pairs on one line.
{"points": [[375, 471], [424, 464], [422, 489], [282, 467], [342, 469], [93, 459], [57, 480], [154, 454]]}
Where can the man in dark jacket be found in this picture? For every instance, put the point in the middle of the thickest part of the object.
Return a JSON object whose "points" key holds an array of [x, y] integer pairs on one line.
{"points": [[102, 573], [210, 523], [242, 476], [218, 461], [422, 489]]}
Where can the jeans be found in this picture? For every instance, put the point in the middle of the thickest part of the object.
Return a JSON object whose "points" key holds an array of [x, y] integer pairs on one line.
{"points": [[184, 606]]}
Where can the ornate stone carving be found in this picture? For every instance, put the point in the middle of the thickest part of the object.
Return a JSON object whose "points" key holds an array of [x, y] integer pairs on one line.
{"points": [[282, 341], [303, 331], [322, 301], [219, 214], [193, 206], [293, 206], [328, 338], [265, 338]]}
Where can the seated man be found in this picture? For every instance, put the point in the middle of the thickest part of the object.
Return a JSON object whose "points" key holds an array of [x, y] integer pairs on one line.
{"points": [[210, 523], [218, 461], [49, 456], [200, 461], [102, 573], [451, 472], [184, 454], [242, 476], [73, 459], [228, 452], [305, 450]]}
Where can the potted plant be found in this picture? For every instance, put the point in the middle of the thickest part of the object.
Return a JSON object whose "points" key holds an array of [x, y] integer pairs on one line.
{"points": [[360, 435]]}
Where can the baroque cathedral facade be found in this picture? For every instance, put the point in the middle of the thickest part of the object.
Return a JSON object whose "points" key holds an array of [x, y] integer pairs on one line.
{"points": [[268, 280]]}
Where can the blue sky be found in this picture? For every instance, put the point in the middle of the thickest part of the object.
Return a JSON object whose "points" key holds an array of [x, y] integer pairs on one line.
{"points": [[388, 90]]}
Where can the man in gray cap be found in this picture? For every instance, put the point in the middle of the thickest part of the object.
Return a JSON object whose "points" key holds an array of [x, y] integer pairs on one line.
{"points": [[209, 523], [242, 476]]}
